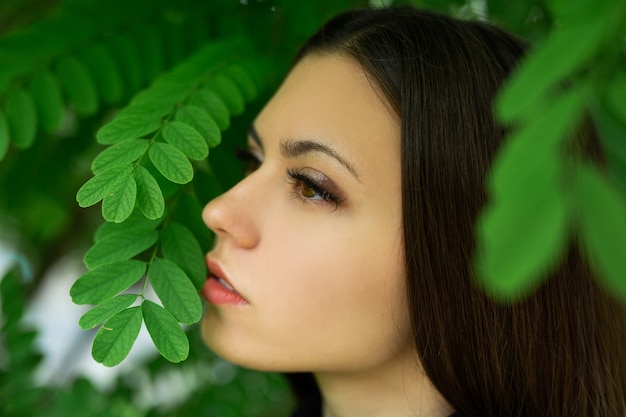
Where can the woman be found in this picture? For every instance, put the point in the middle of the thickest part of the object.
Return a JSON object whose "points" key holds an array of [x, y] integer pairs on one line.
{"points": [[348, 252]]}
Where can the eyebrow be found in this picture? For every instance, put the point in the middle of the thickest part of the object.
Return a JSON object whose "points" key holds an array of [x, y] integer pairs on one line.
{"points": [[295, 148]]}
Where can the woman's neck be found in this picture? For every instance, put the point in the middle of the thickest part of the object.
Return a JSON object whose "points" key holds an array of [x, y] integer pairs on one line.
{"points": [[400, 389]]}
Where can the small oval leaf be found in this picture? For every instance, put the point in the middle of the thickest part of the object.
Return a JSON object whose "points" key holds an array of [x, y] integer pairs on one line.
{"points": [[175, 290], [187, 139], [107, 281], [149, 196], [96, 188], [119, 202], [130, 123], [119, 246], [78, 85], [22, 117], [212, 103], [106, 310], [122, 153], [202, 122], [117, 336], [48, 97], [181, 247], [171, 162], [167, 335]]}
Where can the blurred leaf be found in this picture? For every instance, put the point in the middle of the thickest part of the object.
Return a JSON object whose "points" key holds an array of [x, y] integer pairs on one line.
{"points": [[166, 333], [181, 247], [175, 290], [128, 124], [106, 74], [119, 246], [186, 139], [4, 135], [22, 117], [612, 133], [136, 221], [615, 96], [106, 281], [159, 99], [48, 98], [96, 188], [126, 53], [120, 154], [203, 123], [78, 85], [117, 336], [228, 91], [558, 57], [119, 202], [603, 226], [209, 101], [151, 50], [106, 310], [244, 81], [149, 197], [171, 162]]}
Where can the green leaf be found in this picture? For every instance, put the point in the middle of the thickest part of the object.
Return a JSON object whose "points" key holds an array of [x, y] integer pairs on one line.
{"points": [[202, 122], [166, 333], [149, 196], [603, 227], [106, 310], [4, 135], [521, 238], [106, 281], [78, 85], [126, 52], [151, 50], [119, 246], [122, 153], [186, 139], [181, 247], [534, 146], [117, 336], [615, 94], [244, 81], [119, 202], [131, 123], [136, 221], [558, 57], [209, 101], [171, 162], [48, 98], [99, 186], [22, 117], [106, 73], [175, 291], [158, 100], [228, 92]]}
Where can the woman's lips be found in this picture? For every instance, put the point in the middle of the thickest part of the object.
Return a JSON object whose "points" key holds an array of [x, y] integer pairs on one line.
{"points": [[218, 290]]}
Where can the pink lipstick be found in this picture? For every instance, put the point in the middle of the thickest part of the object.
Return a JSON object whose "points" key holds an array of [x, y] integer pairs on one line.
{"points": [[218, 290]]}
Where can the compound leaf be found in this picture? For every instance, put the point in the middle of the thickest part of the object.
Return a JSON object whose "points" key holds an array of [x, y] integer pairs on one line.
{"points": [[106, 281], [167, 335], [149, 196], [106, 310], [117, 336], [119, 246], [171, 162], [202, 122], [187, 139], [181, 247], [175, 290], [22, 117], [119, 202]]}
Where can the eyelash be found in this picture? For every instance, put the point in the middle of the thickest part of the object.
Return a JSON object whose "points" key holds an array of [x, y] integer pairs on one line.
{"points": [[302, 180], [296, 178]]}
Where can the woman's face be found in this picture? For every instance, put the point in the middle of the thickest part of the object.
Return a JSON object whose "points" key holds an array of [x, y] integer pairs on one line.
{"points": [[312, 239]]}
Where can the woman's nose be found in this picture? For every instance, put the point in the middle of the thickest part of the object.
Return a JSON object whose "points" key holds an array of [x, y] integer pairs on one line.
{"points": [[231, 216]]}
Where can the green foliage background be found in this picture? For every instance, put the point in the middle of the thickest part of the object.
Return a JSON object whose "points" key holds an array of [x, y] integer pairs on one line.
{"points": [[133, 109]]}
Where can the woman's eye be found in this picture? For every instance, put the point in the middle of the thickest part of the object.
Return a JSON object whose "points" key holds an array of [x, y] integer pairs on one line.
{"points": [[313, 187], [251, 159]]}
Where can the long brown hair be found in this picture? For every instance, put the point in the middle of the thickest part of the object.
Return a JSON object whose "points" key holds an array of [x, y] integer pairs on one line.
{"points": [[560, 351]]}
